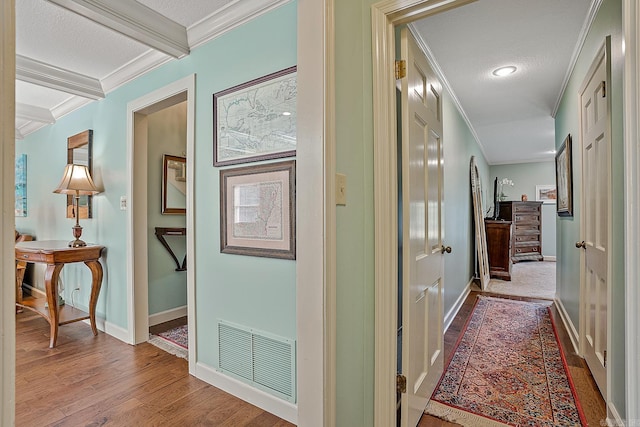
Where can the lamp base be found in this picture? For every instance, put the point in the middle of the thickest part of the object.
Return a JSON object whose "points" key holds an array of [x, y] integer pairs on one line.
{"points": [[77, 243]]}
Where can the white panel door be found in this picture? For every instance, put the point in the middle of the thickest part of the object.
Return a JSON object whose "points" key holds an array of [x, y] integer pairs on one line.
{"points": [[422, 260], [596, 147]]}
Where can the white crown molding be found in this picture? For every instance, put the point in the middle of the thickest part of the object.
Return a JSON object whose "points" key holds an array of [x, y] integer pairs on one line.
{"points": [[68, 106], [32, 112], [133, 69], [591, 16], [41, 74], [28, 128], [134, 20], [19, 134], [230, 16]]}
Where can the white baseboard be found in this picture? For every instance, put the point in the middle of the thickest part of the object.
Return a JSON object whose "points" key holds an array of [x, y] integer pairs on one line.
{"points": [[448, 318], [167, 315], [613, 417], [549, 258], [33, 289], [281, 408], [568, 324]]}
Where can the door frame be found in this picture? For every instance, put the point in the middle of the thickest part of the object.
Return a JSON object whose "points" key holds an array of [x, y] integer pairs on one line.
{"points": [[603, 54], [137, 220], [631, 94], [384, 16]]}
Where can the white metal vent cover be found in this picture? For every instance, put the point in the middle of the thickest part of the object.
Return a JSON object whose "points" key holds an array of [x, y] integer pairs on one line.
{"points": [[264, 360]]}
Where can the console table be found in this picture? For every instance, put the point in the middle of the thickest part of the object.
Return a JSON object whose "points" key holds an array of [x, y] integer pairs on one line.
{"points": [[57, 253]]}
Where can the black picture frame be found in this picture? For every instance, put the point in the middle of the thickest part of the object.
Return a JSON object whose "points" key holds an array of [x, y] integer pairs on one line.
{"points": [[564, 179]]}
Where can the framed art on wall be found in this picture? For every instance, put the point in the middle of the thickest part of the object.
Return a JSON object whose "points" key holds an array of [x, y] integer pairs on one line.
{"points": [[256, 120], [257, 210], [21, 185], [564, 179], [546, 193]]}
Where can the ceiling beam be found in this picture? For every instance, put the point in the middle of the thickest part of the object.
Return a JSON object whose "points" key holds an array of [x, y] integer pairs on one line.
{"points": [[134, 20], [41, 74], [31, 112]]}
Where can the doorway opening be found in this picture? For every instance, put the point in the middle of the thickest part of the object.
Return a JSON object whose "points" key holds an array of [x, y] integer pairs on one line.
{"points": [[161, 142]]}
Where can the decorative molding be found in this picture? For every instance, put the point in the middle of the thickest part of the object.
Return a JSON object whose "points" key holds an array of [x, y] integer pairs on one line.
{"points": [[19, 134], [436, 68], [31, 112], [568, 324], [613, 416], [227, 18], [281, 408], [167, 315], [457, 305], [550, 258], [135, 68], [69, 105], [41, 74], [631, 111], [135, 21], [591, 16], [550, 158], [316, 261]]}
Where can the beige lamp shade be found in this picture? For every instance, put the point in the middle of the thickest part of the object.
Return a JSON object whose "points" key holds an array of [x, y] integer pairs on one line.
{"points": [[76, 180]]}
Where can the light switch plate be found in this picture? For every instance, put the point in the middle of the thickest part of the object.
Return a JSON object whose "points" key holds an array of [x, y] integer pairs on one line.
{"points": [[341, 189], [123, 203]]}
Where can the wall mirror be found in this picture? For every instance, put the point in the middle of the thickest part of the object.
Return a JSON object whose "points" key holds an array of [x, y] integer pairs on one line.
{"points": [[79, 152], [174, 185]]}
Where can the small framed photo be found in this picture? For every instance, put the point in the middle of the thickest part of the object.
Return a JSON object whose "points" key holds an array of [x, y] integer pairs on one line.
{"points": [[257, 210], [256, 120], [546, 193], [564, 179]]}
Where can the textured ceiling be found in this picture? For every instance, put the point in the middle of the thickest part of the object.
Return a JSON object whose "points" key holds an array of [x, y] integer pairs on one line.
{"points": [[512, 116]]}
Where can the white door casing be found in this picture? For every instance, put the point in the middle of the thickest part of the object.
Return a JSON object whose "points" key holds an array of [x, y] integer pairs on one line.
{"points": [[595, 146], [422, 175]]}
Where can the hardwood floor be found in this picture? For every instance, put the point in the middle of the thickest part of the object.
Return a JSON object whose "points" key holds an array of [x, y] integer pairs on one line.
{"points": [[96, 381], [592, 403]]}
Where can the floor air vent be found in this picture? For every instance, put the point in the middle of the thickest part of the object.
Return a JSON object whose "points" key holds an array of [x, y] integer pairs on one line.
{"points": [[264, 360]]}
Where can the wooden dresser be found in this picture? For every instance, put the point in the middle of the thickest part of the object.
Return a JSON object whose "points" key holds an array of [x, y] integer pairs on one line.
{"points": [[499, 248], [527, 229]]}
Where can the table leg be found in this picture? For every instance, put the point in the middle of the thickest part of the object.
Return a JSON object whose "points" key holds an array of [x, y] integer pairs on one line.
{"points": [[51, 289], [96, 283], [21, 267]]}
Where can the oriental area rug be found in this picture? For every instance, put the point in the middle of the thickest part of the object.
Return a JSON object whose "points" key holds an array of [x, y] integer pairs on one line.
{"points": [[174, 341], [507, 369]]}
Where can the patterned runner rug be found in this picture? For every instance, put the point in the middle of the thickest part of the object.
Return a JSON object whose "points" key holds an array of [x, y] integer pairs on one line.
{"points": [[174, 341], [507, 369]]}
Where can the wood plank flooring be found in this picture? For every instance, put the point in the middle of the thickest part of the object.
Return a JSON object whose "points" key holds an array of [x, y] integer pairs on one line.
{"points": [[588, 394], [96, 381]]}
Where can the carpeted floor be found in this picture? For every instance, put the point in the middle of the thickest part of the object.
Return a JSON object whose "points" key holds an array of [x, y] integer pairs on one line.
{"points": [[507, 369], [535, 279]]}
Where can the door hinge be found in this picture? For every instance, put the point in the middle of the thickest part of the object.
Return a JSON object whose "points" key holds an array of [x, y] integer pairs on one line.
{"points": [[605, 359], [401, 383], [604, 89], [401, 69]]}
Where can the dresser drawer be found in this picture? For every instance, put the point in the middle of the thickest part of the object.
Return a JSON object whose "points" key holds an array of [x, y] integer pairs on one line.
{"points": [[527, 229], [33, 257], [518, 207], [525, 238], [521, 250], [527, 217]]}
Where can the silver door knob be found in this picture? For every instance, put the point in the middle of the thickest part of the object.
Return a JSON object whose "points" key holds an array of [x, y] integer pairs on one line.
{"points": [[446, 249], [581, 245]]}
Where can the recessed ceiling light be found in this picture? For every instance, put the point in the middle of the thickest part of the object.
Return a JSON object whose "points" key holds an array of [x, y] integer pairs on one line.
{"points": [[504, 71]]}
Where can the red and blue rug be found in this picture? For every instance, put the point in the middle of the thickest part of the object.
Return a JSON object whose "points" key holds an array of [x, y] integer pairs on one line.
{"points": [[507, 369]]}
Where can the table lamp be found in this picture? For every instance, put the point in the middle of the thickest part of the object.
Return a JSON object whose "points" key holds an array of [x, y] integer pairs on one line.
{"points": [[77, 182]]}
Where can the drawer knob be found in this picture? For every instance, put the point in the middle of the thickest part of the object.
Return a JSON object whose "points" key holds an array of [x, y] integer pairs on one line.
{"points": [[25, 256]]}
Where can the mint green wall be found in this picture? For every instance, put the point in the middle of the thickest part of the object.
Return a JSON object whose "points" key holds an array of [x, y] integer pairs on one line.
{"points": [[459, 225], [167, 135], [254, 292], [608, 22], [525, 177]]}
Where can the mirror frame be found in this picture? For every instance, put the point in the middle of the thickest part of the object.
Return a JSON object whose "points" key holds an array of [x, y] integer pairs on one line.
{"points": [[75, 142], [166, 159]]}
